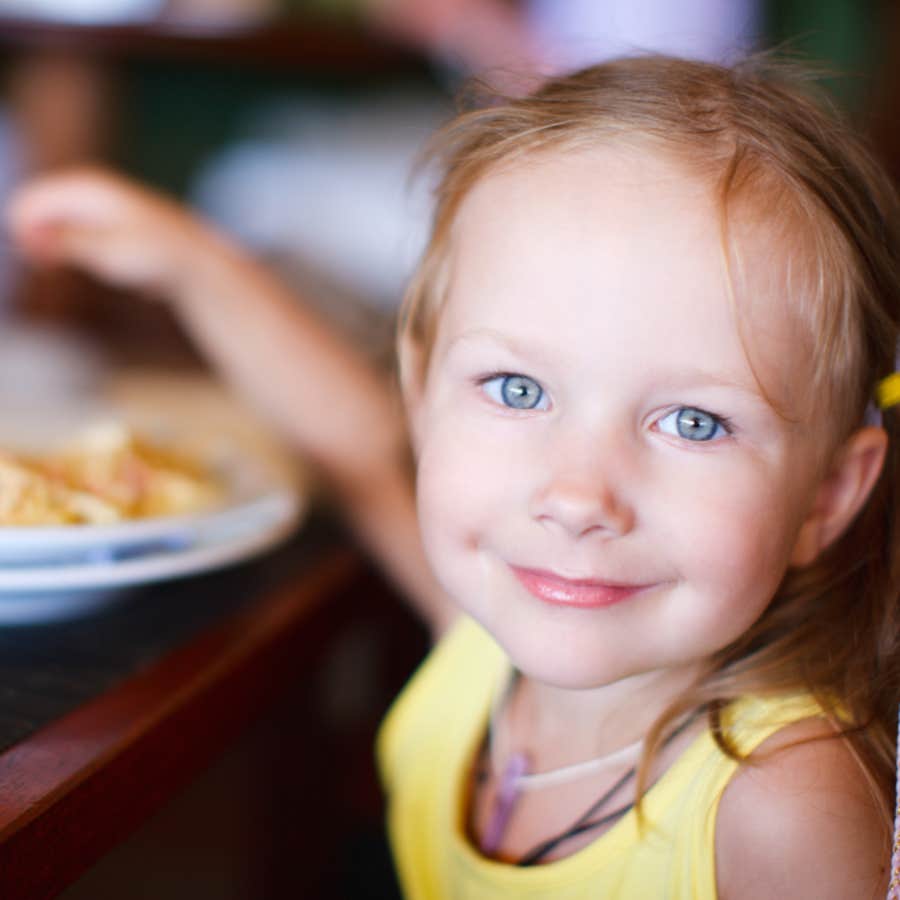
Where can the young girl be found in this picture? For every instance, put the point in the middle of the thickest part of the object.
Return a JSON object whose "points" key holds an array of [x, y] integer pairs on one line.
{"points": [[640, 359]]}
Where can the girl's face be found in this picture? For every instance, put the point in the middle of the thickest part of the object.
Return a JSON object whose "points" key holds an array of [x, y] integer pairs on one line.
{"points": [[602, 483]]}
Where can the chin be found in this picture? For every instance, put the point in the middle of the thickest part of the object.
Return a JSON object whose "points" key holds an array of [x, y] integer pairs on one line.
{"points": [[566, 664]]}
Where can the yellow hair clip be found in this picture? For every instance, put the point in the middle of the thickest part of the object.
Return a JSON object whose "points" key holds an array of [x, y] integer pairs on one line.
{"points": [[887, 393]]}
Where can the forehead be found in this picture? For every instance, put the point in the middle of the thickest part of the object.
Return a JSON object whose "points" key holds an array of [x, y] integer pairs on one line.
{"points": [[624, 240], [556, 218]]}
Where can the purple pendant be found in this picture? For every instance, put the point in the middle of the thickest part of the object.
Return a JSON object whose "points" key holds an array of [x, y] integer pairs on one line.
{"points": [[504, 803]]}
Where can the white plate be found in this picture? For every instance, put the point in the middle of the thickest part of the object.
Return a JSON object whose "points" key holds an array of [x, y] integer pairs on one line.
{"points": [[46, 593], [49, 593], [54, 593], [248, 484], [241, 533], [58, 572]]}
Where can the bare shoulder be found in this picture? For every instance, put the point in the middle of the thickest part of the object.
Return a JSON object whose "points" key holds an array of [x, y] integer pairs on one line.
{"points": [[801, 823]]}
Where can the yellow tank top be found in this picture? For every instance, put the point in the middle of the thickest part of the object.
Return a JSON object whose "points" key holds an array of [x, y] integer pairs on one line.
{"points": [[425, 751]]}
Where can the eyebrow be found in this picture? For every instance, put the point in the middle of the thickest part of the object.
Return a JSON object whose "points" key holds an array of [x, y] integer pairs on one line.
{"points": [[513, 345], [696, 376]]}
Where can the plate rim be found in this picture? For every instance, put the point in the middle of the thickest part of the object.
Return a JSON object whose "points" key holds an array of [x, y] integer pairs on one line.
{"points": [[158, 566]]}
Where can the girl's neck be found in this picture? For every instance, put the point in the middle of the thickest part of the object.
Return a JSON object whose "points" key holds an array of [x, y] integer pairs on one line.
{"points": [[560, 726]]}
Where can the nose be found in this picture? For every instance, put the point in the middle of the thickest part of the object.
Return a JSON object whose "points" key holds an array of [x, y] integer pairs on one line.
{"points": [[581, 503]]}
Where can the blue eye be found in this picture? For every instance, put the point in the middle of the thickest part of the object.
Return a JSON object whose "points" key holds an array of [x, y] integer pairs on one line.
{"points": [[515, 391], [692, 424]]}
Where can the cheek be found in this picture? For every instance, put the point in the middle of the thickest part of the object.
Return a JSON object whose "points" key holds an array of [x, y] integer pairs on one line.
{"points": [[450, 487], [738, 537], [464, 468], [467, 487], [450, 503]]}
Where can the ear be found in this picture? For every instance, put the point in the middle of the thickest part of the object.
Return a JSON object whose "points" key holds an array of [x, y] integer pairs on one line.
{"points": [[841, 493], [411, 358]]}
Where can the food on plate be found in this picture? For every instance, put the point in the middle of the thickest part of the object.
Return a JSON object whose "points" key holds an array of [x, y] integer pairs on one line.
{"points": [[29, 497], [105, 474]]}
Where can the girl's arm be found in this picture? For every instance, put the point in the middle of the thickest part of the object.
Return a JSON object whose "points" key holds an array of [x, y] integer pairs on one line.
{"points": [[316, 388], [802, 823]]}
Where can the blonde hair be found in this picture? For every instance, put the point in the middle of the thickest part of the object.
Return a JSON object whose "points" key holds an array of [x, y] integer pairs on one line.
{"points": [[768, 148]]}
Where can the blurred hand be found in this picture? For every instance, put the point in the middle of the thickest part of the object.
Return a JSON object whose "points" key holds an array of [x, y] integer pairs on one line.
{"points": [[107, 225]]}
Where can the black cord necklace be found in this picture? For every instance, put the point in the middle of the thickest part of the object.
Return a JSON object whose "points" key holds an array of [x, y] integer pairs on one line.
{"points": [[585, 822]]}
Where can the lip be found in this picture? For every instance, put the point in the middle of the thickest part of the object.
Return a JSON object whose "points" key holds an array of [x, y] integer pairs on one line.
{"points": [[575, 592]]}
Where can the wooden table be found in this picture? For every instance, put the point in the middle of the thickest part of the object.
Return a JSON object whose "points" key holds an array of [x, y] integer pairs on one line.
{"points": [[173, 675]]}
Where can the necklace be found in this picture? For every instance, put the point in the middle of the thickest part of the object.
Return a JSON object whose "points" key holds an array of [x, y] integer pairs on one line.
{"points": [[515, 778], [517, 765]]}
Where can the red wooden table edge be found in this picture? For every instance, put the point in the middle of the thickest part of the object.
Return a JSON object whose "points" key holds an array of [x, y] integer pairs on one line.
{"points": [[75, 788]]}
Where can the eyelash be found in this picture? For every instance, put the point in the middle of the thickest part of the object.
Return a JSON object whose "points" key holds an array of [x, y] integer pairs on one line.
{"points": [[720, 421], [485, 380]]}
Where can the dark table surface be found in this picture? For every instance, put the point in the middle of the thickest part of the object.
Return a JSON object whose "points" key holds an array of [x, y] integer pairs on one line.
{"points": [[105, 718], [49, 669]]}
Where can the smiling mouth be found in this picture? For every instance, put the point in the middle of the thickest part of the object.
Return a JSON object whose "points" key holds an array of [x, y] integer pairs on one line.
{"points": [[581, 593]]}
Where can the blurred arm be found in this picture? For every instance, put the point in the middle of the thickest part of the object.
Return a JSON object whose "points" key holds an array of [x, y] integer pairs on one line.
{"points": [[320, 392]]}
